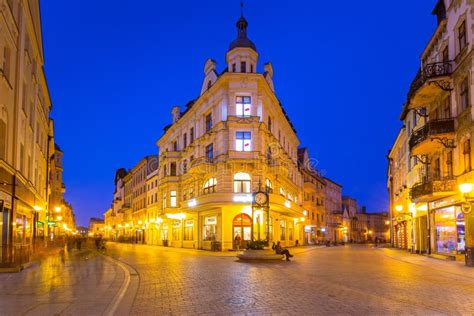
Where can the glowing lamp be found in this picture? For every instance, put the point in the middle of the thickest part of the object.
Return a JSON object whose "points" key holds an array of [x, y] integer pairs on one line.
{"points": [[465, 188], [399, 208]]}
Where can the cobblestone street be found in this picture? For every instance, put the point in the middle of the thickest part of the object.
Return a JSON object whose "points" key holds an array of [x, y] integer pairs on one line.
{"points": [[84, 284], [336, 280]]}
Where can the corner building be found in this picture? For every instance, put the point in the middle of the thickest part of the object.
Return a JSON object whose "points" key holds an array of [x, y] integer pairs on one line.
{"points": [[226, 143]]}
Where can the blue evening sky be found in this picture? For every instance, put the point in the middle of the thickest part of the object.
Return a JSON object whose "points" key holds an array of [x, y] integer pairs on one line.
{"points": [[342, 71]]}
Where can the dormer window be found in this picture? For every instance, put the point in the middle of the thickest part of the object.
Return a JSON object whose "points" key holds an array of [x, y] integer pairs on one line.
{"points": [[243, 106], [243, 66]]}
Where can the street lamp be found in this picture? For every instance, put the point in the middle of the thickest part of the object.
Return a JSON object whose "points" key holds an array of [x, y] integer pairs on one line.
{"points": [[466, 208]]}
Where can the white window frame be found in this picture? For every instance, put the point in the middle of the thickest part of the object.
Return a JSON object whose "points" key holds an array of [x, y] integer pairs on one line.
{"points": [[243, 141], [242, 107]]}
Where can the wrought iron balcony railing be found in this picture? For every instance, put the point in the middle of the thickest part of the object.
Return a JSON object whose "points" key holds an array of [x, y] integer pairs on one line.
{"points": [[430, 129], [433, 186], [430, 71]]}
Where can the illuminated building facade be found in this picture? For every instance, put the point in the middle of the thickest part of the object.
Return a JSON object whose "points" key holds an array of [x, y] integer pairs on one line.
{"points": [[431, 156]]}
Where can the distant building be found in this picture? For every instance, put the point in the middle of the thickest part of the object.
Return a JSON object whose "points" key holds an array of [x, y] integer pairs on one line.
{"points": [[96, 227]]}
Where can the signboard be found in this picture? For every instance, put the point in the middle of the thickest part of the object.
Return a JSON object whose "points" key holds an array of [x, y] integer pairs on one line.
{"points": [[210, 220]]}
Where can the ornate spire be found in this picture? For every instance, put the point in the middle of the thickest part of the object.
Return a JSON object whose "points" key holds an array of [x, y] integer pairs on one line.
{"points": [[242, 39]]}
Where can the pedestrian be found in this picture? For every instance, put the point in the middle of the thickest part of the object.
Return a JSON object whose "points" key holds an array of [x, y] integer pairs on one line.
{"points": [[79, 242], [281, 251], [237, 241]]}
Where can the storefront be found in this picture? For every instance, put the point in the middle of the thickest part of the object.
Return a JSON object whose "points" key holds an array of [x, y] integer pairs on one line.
{"points": [[449, 230], [400, 234], [242, 227]]}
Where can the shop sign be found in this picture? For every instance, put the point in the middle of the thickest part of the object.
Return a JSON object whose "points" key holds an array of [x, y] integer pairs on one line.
{"points": [[210, 220], [189, 223], [245, 198], [308, 228], [442, 203]]}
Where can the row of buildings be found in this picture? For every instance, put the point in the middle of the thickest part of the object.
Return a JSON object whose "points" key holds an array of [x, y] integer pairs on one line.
{"points": [[233, 140], [32, 206], [430, 174]]}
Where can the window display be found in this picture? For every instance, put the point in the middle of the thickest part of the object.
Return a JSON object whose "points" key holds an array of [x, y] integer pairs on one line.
{"points": [[449, 228]]}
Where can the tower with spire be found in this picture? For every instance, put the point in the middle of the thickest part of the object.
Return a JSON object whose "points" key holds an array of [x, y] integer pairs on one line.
{"points": [[242, 55]]}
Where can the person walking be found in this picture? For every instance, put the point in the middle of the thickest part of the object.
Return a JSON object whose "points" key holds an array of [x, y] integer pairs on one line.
{"points": [[237, 241]]}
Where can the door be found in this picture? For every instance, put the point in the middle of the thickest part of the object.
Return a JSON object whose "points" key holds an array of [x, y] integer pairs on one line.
{"points": [[242, 227]]}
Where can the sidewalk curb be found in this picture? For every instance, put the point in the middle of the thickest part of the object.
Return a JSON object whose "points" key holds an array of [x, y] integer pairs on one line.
{"points": [[122, 302]]}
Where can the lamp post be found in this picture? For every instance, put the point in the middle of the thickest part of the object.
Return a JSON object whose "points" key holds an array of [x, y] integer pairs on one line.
{"points": [[466, 189]]}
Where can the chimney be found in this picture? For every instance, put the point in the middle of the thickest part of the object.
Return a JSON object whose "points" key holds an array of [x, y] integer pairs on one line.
{"points": [[175, 113]]}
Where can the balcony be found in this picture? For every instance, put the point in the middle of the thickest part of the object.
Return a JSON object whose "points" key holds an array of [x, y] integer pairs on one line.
{"points": [[433, 189], [202, 165], [429, 82], [432, 136]]}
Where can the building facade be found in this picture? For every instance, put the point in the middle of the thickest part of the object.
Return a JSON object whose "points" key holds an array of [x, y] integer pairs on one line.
{"points": [[315, 226], [431, 157], [61, 218], [26, 132]]}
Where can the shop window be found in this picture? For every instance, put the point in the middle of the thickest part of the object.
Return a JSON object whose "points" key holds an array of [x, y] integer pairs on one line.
{"points": [[290, 230], [176, 230], [282, 229], [243, 141], [210, 186], [243, 106], [164, 232], [173, 199], [210, 228], [189, 229], [270, 228], [242, 183]]}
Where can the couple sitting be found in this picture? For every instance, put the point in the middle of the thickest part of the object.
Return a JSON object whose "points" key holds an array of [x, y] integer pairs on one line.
{"points": [[281, 251]]}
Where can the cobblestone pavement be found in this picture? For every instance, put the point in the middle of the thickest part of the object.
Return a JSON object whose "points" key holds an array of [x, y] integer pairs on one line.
{"points": [[331, 281], [84, 284]]}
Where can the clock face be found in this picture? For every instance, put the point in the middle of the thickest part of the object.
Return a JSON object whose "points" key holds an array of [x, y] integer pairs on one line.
{"points": [[261, 198]]}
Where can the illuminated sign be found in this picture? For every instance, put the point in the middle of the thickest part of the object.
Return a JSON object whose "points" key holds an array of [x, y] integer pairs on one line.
{"points": [[192, 203], [245, 198]]}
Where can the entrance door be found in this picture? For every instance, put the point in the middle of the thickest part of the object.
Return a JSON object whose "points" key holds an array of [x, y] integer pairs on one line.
{"points": [[242, 227]]}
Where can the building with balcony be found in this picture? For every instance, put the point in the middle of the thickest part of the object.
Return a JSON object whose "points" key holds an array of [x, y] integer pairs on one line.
{"points": [[26, 132], [432, 153]]}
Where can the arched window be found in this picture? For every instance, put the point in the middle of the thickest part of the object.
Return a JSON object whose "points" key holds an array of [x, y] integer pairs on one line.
{"points": [[210, 186], [268, 186], [242, 182]]}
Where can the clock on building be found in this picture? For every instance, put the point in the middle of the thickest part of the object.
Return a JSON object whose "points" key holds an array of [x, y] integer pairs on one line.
{"points": [[261, 198]]}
